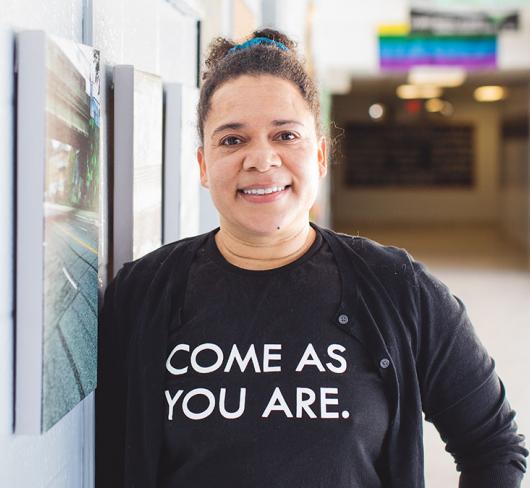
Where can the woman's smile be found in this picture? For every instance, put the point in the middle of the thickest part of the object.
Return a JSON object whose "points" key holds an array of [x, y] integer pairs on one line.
{"points": [[263, 193]]}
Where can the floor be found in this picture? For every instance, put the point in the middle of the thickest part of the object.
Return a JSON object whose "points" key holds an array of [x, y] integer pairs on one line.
{"points": [[492, 277]]}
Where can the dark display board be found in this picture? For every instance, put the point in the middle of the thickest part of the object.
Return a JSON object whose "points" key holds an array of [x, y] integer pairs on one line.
{"points": [[408, 155]]}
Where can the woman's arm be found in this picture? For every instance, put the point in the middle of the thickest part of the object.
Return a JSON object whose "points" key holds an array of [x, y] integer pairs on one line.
{"points": [[461, 392]]}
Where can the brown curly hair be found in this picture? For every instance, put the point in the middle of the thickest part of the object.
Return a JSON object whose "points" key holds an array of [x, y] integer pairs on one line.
{"points": [[259, 59]]}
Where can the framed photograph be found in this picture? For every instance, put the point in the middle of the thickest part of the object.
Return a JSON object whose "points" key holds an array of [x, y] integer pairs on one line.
{"points": [[183, 196], [137, 192], [58, 227]]}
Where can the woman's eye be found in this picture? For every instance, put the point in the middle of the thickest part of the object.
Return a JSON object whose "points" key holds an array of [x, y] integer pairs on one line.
{"points": [[230, 141], [287, 136]]}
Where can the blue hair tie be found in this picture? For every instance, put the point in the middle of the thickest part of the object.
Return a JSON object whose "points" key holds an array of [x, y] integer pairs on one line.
{"points": [[258, 40]]}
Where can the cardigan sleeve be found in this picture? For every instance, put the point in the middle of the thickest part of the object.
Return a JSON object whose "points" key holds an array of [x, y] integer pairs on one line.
{"points": [[111, 391], [461, 392]]}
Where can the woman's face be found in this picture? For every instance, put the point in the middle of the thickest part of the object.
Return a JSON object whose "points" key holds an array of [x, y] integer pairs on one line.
{"points": [[261, 158]]}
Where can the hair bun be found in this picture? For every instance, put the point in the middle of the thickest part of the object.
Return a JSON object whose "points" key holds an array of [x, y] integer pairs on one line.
{"points": [[275, 36], [220, 46]]}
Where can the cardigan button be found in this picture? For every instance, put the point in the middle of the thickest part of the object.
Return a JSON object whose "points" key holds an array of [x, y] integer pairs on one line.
{"points": [[384, 363], [343, 319]]}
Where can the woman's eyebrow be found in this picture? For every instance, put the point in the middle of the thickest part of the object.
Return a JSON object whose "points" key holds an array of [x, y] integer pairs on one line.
{"points": [[278, 123], [240, 125], [229, 125]]}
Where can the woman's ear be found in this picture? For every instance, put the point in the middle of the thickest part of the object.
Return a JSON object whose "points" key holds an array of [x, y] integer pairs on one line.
{"points": [[202, 166], [322, 157]]}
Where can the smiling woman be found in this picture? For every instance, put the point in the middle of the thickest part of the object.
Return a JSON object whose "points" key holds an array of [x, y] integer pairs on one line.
{"points": [[262, 151], [271, 352]]}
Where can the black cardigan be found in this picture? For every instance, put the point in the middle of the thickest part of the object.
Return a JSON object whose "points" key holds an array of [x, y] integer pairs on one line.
{"points": [[415, 329]]}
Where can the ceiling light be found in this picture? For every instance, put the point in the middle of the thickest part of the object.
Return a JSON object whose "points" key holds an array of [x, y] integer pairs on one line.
{"points": [[410, 92], [445, 76], [492, 93], [434, 105], [447, 109], [376, 111]]}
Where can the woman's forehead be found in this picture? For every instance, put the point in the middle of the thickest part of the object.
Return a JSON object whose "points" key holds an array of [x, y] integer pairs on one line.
{"points": [[257, 97], [256, 83]]}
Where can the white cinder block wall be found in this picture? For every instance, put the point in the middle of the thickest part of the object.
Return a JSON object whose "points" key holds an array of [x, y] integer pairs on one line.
{"points": [[155, 35]]}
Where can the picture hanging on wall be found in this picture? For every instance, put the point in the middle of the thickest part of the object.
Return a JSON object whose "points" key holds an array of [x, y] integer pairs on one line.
{"points": [[137, 192], [58, 227], [182, 191]]}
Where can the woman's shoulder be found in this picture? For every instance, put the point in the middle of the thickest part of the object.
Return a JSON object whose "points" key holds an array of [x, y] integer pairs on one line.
{"points": [[375, 254], [394, 267]]}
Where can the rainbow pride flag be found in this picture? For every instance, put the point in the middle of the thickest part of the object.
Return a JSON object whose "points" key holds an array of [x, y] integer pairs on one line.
{"points": [[399, 49]]}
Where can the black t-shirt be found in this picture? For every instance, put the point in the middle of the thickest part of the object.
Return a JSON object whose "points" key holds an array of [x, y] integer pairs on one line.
{"points": [[263, 389]]}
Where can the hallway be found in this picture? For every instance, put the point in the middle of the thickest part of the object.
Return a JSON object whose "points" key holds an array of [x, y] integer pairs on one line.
{"points": [[492, 278]]}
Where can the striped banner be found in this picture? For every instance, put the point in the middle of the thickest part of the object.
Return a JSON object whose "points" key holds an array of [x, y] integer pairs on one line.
{"points": [[401, 50]]}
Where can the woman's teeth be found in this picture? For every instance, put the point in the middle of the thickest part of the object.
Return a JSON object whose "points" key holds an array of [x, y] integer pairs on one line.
{"points": [[263, 191]]}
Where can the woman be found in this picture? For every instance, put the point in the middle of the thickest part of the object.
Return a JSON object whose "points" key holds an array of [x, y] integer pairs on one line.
{"points": [[271, 352]]}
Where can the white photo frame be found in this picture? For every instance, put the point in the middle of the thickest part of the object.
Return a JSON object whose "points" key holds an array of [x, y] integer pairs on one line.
{"points": [[182, 191], [58, 227], [138, 165]]}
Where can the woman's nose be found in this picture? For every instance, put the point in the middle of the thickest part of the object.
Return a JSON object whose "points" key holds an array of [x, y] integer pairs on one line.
{"points": [[261, 158]]}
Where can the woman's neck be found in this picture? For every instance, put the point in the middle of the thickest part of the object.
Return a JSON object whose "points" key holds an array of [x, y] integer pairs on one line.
{"points": [[264, 252]]}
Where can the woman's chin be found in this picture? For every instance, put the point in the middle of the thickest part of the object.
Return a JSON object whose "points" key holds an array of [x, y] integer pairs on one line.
{"points": [[265, 226]]}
